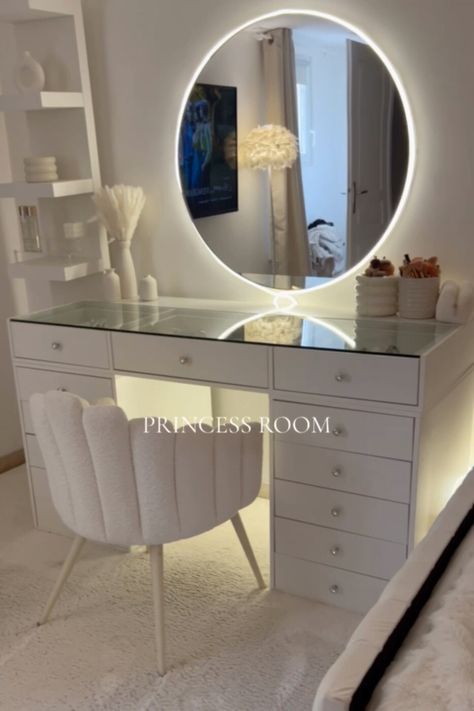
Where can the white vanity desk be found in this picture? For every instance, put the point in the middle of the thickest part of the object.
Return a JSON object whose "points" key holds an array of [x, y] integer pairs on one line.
{"points": [[346, 506]]}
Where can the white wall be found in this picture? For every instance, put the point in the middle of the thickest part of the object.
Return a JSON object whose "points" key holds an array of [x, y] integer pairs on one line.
{"points": [[143, 55]]}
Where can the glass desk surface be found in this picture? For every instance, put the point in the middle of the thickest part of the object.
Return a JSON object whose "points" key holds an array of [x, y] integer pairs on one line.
{"points": [[297, 329]]}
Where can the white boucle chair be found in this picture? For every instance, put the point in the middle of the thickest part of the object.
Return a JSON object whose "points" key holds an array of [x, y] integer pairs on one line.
{"points": [[113, 483]]}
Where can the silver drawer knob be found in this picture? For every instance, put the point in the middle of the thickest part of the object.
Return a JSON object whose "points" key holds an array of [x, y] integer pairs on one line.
{"points": [[340, 377], [334, 589], [337, 431], [184, 359], [335, 512], [62, 389], [336, 472], [56, 346], [335, 550]]}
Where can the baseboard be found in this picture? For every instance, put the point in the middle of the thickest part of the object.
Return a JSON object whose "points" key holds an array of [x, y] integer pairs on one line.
{"points": [[12, 460], [264, 492]]}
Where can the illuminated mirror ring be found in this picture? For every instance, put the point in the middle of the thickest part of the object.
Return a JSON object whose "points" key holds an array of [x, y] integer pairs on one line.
{"points": [[347, 200]]}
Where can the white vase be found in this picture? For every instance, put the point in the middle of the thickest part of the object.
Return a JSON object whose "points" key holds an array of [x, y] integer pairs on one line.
{"points": [[417, 297], [377, 296], [111, 285], [126, 270], [29, 74], [148, 289]]}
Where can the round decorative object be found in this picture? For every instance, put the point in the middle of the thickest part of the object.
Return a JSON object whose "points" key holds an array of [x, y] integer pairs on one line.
{"points": [[417, 298], [377, 296], [111, 285], [286, 214], [29, 75], [50, 176], [37, 162], [148, 289]]}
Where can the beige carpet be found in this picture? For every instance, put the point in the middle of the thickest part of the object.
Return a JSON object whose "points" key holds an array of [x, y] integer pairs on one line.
{"points": [[230, 646]]}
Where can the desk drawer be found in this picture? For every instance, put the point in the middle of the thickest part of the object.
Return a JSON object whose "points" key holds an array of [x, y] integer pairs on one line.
{"points": [[329, 585], [350, 430], [352, 375], [32, 381], [349, 551], [344, 471], [345, 512], [60, 344], [215, 361]]}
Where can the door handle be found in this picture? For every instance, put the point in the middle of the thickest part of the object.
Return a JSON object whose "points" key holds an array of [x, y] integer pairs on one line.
{"points": [[354, 196]]}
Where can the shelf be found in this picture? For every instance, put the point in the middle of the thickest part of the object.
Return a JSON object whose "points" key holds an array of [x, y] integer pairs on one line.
{"points": [[54, 269], [26, 10], [37, 100], [34, 191]]}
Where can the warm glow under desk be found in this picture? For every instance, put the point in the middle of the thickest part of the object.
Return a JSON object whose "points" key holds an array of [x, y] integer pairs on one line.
{"points": [[346, 506]]}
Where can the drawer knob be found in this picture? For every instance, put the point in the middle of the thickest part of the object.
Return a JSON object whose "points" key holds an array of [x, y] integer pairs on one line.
{"points": [[62, 389], [336, 512], [337, 431], [336, 472], [184, 360], [340, 377], [334, 589], [335, 550], [56, 346]]}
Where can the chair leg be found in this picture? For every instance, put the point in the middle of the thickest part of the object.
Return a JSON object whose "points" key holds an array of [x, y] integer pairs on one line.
{"points": [[156, 563], [245, 543], [63, 576]]}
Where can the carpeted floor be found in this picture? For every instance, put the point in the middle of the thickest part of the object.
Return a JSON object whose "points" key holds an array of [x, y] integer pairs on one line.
{"points": [[231, 647]]}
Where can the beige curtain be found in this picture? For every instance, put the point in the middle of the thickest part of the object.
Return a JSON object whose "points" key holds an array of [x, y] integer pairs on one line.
{"points": [[290, 234]]}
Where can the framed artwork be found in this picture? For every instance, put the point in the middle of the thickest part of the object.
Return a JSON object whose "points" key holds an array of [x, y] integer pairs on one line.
{"points": [[208, 151]]}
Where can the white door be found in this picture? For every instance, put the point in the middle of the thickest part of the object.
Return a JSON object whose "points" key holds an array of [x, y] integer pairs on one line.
{"points": [[370, 89]]}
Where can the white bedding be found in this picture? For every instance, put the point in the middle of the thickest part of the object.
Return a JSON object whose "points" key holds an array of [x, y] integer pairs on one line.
{"points": [[438, 684], [435, 669]]}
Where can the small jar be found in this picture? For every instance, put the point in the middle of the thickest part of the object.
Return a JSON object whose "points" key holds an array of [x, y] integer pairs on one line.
{"points": [[29, 228]]}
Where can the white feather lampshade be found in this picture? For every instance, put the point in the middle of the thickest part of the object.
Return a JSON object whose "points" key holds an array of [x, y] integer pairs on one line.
{"points": [[269, 146]]}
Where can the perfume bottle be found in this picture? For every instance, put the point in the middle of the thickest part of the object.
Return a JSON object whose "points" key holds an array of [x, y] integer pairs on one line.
{"points": [[29, 228]]}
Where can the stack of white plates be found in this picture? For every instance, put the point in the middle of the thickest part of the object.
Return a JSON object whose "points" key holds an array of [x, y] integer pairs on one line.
{"points": [[41, 169]]}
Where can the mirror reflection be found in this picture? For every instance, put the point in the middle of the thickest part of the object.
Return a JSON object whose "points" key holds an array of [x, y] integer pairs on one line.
{"points": [[293, 151]]}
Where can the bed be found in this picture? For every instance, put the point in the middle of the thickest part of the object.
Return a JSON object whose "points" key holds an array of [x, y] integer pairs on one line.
{"points": [[414, 650]]}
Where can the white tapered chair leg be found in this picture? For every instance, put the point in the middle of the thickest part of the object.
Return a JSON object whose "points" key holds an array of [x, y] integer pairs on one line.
{"points": [[156, 563], [63, 576], [243, 538]]}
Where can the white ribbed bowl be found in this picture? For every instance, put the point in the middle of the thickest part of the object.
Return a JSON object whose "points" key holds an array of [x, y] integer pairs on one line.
{"points": [[377, 296], [417, 297]]}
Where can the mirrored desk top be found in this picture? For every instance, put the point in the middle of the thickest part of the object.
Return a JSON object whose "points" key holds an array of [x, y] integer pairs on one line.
{"points": [[299, 329]]}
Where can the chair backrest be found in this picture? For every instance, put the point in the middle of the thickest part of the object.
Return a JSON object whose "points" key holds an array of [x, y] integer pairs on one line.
{"points": [[112, 482]]}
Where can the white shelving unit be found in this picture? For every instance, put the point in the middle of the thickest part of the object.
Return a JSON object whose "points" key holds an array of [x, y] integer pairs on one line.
{"points": [[58, 121], [54, 268], [34, 191], [36, 101]]}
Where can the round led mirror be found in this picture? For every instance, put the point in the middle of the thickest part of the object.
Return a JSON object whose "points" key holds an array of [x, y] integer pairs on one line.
{"points": [[295, 151]]}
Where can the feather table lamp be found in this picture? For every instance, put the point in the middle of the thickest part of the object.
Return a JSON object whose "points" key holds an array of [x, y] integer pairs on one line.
{"points": [[119, 209], [270, 147]]}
